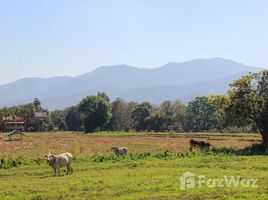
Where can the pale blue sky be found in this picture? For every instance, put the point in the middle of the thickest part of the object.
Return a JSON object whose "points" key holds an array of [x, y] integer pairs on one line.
{"points": [[67, 37]]}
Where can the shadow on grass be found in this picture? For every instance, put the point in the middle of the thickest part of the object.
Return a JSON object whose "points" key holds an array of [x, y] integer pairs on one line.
{"points": [[52, 176], [46, 176], [255, 149]]}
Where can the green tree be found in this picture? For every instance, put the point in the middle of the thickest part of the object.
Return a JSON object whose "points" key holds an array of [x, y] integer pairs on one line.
{"points": [[200, 115], [249, 102], [155, 121], [174, 112], [57, 120], [37, 104], [140, 113], [96, 112], [3, 112], [118, 119], [73, 119], [169, 111], [24, 111], [129, 123], [121, 115], [180, 112], [220, 104]]}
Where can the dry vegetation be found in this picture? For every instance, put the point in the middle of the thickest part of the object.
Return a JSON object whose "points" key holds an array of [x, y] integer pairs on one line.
{"points": [[38, 144]]}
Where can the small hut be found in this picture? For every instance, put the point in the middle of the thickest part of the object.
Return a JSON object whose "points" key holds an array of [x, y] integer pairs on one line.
{"points": [[15, 135]]}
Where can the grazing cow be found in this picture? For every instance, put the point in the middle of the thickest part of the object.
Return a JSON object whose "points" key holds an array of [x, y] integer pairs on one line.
{"points": [[120, 151], [61, 160], [201, 145]]}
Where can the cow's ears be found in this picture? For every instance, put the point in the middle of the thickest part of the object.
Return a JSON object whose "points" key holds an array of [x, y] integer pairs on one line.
{"points": [[45, 155]]}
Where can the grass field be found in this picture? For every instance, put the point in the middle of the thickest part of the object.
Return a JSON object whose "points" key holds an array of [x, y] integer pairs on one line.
{"points": [[150, 171]]}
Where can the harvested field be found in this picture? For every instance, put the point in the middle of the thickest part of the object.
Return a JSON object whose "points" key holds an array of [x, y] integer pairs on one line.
{"points": [[91, 144]]}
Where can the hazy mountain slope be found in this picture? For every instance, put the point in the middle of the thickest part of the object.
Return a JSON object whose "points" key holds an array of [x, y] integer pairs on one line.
{"points": [[184, 92], [172, 81], [24, 90], [200, 70]]}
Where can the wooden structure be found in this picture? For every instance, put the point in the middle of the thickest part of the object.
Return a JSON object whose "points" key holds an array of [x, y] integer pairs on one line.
{"points": [[33, 122], [15, 135], [10, 124]]}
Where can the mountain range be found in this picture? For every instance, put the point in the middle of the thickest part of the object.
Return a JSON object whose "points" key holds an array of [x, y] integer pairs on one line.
{"points": [[184, 81]]}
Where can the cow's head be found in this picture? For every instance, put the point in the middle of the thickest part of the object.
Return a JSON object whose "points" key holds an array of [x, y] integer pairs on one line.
{"points": [[50, 158], [114, 148]]}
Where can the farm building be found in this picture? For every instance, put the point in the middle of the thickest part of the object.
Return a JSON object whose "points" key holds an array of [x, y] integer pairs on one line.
{"points": [[11, 123], [40, 115], [33, 122]]}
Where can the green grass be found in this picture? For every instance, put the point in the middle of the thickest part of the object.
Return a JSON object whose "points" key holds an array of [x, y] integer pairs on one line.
{"points": [[141, 176]]}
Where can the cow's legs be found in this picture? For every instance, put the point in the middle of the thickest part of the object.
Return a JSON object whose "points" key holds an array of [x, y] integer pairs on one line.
{"points": [[72, 170], [191, 147], [68, 170], [55, 171]]}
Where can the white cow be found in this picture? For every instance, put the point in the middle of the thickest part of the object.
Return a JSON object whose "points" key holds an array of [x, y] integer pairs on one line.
{"points": [[61, 160], [122, 151]]}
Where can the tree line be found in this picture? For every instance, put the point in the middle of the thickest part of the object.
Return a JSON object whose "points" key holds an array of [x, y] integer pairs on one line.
{"points": [[244, 108]]}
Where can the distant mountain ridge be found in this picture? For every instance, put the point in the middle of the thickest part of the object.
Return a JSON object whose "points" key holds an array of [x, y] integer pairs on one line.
{"points": [[172, 81]]}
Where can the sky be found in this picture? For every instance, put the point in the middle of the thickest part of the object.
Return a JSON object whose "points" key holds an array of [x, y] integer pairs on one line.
{"points": [[66, 37]]}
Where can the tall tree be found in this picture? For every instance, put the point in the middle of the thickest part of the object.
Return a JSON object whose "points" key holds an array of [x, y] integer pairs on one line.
{"points": [[37, 104], [249, 102], [169, 111], [96, 112], [200, 115], [173, 115], [117, 122], [140, 113], [129, 123], [155, 121], [73, 119], [220, 104], [180, 110], [57, 120]]}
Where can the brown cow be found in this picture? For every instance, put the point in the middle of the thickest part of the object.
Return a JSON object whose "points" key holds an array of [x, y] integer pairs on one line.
{"points": [[199, 144]]}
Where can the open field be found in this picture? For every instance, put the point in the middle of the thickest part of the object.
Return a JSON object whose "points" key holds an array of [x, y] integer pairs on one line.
{"points": [[36, 144], [150, 171]]}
